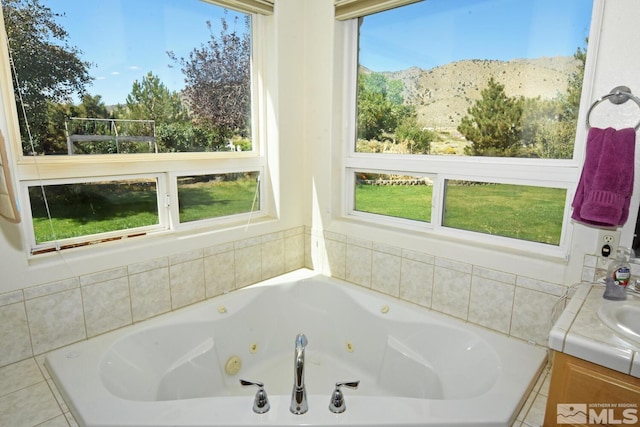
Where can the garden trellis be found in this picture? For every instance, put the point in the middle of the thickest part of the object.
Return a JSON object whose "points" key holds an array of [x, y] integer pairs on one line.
{"points": [[83, 130]]}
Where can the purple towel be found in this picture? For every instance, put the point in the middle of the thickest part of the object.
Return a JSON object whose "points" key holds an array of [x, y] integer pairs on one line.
{"points": [[604, 191]]}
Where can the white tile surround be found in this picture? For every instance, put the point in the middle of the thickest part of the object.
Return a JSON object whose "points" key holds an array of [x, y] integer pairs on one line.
{"points": [[39, 319]]}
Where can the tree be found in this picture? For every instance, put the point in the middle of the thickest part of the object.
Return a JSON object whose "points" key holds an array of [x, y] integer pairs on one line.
{"points": [[381, 106], [494, 123], [571, 104], [47, 68], [218, 81], [150, 99], [91, 107], [550, 126], [185, 137], [57, 114], [417, 139]]}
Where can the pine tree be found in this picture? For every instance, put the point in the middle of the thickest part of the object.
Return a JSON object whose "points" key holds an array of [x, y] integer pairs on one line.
{"points": [[493, 125], [150, 99]]}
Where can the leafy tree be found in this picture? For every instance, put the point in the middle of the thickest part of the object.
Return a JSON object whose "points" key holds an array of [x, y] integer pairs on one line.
{"points": [[418, 139], [185, 137], [218, 81], [558, 142], [58, 114], [380, 105], [571, 103], [550, 126], [48, 69], [375, 115], [91, 107], [494, 123]]}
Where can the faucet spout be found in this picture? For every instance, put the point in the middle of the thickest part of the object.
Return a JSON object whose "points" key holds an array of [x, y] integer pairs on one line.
{"points": [[299, 395]]}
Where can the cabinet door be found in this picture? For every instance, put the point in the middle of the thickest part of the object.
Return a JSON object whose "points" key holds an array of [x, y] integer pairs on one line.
{"points": [[578, 382]]}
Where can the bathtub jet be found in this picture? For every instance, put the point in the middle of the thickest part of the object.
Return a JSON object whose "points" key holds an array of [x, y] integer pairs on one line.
{"points": [[416, 367]]}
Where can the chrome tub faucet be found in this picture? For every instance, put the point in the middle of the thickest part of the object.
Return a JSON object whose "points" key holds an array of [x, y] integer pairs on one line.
{"points": [[299, 395]]}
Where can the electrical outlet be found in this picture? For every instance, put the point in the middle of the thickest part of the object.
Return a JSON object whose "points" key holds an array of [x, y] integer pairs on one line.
{"points": [[608, 241]]}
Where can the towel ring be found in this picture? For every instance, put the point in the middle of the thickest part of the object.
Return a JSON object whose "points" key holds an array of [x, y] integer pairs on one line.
{"points": [[618, 95]]}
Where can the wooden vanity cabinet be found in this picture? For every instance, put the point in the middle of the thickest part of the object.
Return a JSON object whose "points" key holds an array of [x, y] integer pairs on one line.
{"points": [[576, 381]]}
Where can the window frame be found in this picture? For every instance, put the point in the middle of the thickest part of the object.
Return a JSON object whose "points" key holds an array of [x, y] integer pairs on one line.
{"points": [[380, 218], [162, 225], [165, 166], [174, 202], [557, 173]]}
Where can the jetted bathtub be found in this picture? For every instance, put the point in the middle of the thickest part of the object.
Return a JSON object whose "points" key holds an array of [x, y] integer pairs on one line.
{"points": [[415, 367]]}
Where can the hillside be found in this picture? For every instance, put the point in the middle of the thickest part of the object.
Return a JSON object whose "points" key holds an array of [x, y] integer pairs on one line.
{"points": [[443, 94]]}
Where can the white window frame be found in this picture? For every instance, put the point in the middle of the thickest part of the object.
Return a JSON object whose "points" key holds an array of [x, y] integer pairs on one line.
{"points": [[174, 204], [379, 218], [163, 218], [521, 171], [165, 166]]}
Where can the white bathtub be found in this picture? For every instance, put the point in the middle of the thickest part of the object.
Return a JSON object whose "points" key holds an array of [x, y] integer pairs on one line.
{"points": [[415, 367]]}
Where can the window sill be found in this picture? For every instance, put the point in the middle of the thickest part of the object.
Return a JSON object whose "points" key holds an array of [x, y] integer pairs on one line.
{"points": [[111, 254]]}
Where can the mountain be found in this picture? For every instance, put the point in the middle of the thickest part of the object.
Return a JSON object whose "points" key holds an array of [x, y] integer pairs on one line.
{"points": [[443, 94]]}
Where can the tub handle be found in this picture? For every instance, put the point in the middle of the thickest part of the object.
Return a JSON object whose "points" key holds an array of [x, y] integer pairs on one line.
{"points": [[337, 404], [261, 401]]}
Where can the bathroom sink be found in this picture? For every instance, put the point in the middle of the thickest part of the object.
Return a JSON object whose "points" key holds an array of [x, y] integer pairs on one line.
{"points": [[623, 317]]}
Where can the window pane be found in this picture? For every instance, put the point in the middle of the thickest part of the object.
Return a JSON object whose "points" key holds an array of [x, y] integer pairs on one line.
{"points": [[85, 209], [144, 76], [400, 196], [498, 78], [213, 196], [517, 211]]}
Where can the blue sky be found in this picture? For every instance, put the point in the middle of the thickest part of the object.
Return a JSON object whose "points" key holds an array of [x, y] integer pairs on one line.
{"points": [[436, 32], [125, 39]]}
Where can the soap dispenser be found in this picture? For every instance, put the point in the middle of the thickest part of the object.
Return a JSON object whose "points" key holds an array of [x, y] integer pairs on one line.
{"points": [[618, 276]]}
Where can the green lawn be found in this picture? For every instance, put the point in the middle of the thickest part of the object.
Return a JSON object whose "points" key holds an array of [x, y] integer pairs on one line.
{"points": [[216, 198], [84, 209], [401, 201], [522, 212]]}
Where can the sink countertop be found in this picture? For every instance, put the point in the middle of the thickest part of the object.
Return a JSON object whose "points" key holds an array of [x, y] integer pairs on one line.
{"points": [[579, 332]]}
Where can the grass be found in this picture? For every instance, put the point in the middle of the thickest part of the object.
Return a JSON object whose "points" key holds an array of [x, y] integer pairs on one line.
{"points": [[93, 208], [411, 202], [213, 199], [517, 211]]}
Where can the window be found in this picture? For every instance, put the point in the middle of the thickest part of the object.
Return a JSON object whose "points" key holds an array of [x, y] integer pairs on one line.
{"points": [[135, 117], [213, 196], [398, 196], [483, 98], [99, 208], [519, 211]]}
